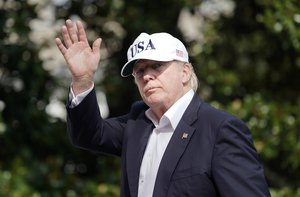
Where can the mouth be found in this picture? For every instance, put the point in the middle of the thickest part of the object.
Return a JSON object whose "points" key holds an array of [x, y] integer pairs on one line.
{"points": [[149, 90]]}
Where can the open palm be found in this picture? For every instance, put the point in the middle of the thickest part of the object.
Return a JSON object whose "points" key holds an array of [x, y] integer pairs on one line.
{"points": [[82, 59]]}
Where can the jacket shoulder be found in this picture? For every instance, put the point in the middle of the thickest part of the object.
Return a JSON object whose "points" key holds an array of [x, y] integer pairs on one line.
{"points": [[210, 115], [137, 109]]}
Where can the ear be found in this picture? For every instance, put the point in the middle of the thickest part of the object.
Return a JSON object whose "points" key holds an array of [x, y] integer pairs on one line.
{"points": [[186, 73]]}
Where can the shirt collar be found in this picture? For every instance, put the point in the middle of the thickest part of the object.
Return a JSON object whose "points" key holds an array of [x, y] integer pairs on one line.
{"points": [[174, 113]]}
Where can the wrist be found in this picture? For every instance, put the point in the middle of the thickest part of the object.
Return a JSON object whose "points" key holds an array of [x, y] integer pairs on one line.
{"points": [[81, 85]]}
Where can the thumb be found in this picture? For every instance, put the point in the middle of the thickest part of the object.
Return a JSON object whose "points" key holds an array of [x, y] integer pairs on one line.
{"points": [[96, 45]]}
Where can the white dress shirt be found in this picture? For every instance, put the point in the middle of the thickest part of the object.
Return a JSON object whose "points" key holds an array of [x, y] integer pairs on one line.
{"points": [[76, 100], [158, 141]]}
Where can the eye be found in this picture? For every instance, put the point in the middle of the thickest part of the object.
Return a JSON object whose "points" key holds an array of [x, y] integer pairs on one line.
{"points": [[139, 72], [157, 66]]}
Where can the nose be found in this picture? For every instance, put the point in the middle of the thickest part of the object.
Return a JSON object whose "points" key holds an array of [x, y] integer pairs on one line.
{"points": [[148, 74]]}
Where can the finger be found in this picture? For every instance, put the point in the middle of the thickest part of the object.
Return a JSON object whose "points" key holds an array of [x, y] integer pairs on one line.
{"points": [[81, 32], [66, 37], [72, 31], [60, 46], [96, 45]]}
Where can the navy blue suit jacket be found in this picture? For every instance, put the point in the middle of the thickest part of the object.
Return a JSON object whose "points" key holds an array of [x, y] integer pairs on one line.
{"points": [[217, 158]]}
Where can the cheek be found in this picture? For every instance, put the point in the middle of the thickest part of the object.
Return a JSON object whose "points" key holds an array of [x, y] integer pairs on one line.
{"points": [[175, 81], [140, 88]]}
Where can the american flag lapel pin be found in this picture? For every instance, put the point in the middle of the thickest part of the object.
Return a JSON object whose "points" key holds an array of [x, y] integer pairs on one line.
{"points": [[184, 136]]}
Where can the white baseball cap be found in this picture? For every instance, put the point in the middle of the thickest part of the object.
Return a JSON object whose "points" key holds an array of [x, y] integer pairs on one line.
{"points": [[158, 47]]}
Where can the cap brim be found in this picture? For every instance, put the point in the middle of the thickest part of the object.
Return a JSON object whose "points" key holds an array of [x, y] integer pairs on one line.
{"points": [[128, 67]]}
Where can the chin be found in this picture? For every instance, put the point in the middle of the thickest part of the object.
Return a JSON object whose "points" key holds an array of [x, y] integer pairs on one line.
{"points": [[152, 101]]}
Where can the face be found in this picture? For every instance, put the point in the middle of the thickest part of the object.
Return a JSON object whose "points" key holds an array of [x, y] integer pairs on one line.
{"points": [[161, 84]]}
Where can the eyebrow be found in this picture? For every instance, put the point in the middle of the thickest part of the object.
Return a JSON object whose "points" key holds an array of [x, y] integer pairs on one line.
{"points": [[145, 62]]}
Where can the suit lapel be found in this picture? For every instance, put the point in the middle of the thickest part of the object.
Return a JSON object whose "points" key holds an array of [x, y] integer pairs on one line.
{"points": [[137, 142], [176, 147]]}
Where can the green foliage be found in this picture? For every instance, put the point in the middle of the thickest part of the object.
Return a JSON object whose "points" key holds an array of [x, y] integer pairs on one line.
{"points": [[251, 69], [248, 64]]}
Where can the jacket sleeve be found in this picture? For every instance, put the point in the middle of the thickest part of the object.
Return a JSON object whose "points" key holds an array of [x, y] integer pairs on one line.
{"points": [[235, 164], [89, 131]]}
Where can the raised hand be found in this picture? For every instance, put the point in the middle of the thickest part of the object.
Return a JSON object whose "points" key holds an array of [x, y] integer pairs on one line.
{"points": [[82, 60]]}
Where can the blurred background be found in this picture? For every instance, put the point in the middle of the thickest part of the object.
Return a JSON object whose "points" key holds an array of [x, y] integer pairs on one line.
{"points": [[246, 55]]}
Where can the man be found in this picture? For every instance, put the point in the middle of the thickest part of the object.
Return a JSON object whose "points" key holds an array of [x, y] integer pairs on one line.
{"points": [[171, 143]]}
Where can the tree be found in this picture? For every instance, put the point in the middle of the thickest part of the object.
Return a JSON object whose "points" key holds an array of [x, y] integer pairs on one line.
{"points": [[245, 54]]}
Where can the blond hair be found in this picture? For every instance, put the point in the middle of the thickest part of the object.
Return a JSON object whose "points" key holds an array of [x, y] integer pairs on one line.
{"points": [[194, 82]]}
